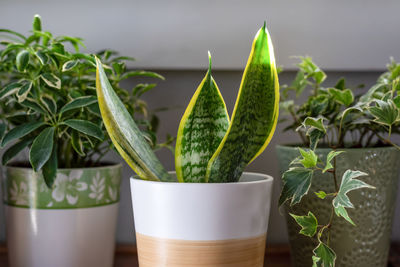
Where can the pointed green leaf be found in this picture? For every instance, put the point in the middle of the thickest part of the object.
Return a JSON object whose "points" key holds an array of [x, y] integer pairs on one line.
{"points": [[3, 128], [14, 150], [43, 57], [309, 158], [254, 117], [42, 148], [22, 60], [296, 183], [10, 89], [331, 155], [49, 169], [324, 256], [69, 65], [316, 123], [37, 23], [79, 103], [308, 223], [385, 112], [31, 103], [22, 93], [85, 127], [51, 80], [124, 133], [314, 136], [321, 194], [201, 130], [349, 183], [49, 104], [77, 143], [344, 97], [141, 74], [21, 131]]}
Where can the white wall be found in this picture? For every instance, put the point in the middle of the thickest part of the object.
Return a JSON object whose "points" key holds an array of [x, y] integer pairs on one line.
{"points": [[176, 34]]}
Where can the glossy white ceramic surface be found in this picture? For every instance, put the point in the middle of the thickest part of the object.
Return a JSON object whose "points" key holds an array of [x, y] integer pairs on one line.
{"points": [[61, 238], [203, 211]]}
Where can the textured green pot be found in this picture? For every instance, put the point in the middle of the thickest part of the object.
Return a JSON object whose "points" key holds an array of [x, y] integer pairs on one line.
{"points": [[366, 244]]}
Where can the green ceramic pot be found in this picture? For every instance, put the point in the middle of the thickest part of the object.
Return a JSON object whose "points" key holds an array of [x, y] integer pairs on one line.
{"points": [[368, 243]]}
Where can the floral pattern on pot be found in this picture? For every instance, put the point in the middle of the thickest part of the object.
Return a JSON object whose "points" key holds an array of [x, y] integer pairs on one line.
{"points": [[73, 188]]}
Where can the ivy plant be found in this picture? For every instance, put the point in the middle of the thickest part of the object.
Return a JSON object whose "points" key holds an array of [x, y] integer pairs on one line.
{"points": [[210, 147], [336, 117], [49, 105]]}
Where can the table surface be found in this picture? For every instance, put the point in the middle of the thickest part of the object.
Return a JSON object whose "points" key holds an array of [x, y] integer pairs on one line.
{"points": [[276, 256]]}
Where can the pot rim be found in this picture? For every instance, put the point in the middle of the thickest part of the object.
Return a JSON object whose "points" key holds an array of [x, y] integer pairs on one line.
{"points": [[266, 179], [296, 145], [109, 165]]}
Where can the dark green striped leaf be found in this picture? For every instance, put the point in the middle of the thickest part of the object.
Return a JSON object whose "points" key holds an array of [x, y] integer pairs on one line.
{"points": [[124, 133], [49, 104], [77, 144], [42, 148], [21, 131], [43, 58], [22, 60], [201, 130], [10, 89], [79, 103], [85, 127], [254, 117], [30, 103], [24, 91], [51, 80], [69, 65], [49, 169], [3, 128]]}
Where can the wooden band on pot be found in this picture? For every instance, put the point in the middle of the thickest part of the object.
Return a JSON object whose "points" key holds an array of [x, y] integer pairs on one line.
{"points": [[159, 252]]}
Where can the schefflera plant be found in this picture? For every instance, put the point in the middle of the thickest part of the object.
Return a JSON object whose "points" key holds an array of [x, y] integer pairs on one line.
{"points": [[209, 147], [48, 101]]}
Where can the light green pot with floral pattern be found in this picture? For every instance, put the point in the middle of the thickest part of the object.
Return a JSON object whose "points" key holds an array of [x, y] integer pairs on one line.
{"points": [[71, 224]]}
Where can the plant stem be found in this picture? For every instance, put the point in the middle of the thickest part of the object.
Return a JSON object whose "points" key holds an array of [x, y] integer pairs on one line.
{"points": [[296, 119]]}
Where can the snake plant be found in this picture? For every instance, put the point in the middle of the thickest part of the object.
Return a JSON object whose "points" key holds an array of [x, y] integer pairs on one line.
{"points": [[209, 147]]}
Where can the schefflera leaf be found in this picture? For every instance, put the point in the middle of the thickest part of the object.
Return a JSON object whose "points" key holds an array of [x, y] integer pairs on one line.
{"points": [[201, 130], [124, 133], [254, 116]]}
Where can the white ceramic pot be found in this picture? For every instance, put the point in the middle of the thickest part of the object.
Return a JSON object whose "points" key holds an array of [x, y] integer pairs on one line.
{"points": [[202, 224], [71, 225]]}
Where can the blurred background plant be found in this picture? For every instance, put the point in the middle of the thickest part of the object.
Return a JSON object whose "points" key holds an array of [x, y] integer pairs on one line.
{"points": [[48, 101]]}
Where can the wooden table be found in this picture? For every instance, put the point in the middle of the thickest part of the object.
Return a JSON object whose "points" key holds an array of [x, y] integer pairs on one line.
{"points": [[276, 256]]}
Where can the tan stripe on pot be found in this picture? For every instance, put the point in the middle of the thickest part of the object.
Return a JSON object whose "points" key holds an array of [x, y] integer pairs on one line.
{"points": [[161, 252]]}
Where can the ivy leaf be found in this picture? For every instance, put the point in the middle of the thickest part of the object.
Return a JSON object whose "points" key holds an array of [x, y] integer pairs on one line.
{"points": [[42, 148], [85, 127], [22, 60], [324, 256], [349, 183], [69, 65], [312, 70], [385, 112], [309, 158], [299, 83], [308, 223], [321, 194], [79, 103], [344, 97], [314, 136], [296, 183], [51, 80], [315, 260], [315, 122], [331, 155]]}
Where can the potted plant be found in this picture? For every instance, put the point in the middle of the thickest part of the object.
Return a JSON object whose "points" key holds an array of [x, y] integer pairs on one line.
{"points": [[62, 204], [209, 212], [340, 184]]}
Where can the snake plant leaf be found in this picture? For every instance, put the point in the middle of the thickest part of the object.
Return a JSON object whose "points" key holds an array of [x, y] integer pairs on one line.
{"points": [[201, 130], [349, 183], [254, 117], [307, 222], [124, 133]]}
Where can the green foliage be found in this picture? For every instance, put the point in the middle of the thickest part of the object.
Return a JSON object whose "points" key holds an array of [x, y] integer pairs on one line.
{"points": [[308, 224], [296, 183], [48, 100], [324, 256]]}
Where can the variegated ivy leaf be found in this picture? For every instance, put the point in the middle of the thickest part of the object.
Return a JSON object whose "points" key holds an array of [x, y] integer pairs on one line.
{"points": [[309, 159], [314, 122], [201, 130], [254, 117], [324, 256], [312, 70], [296, 183], [308, 223], [314, 136], [51, 80], [385, 112], [321, 194], [344, 97], [331, 155], [349, 183]]}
